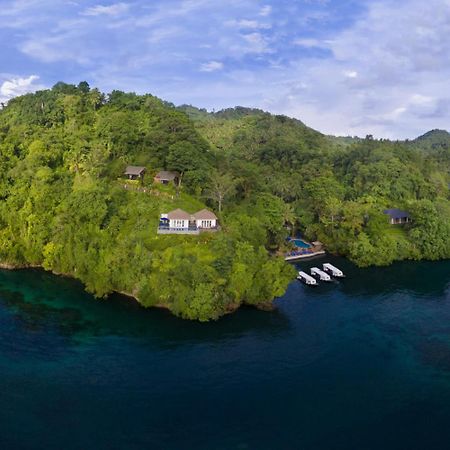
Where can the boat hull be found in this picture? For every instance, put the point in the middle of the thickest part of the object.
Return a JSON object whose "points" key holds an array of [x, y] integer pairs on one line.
{"points": [[306, 282]]}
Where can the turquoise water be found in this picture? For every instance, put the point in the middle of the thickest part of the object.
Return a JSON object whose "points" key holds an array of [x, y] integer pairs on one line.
{"points": [[300, 243], [358, 364]]}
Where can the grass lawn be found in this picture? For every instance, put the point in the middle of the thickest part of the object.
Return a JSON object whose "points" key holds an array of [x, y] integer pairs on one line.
{"points": [[396, 231]]}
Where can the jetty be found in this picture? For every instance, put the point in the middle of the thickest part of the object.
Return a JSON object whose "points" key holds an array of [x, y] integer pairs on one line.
{"points": [[323, 276], [294, 256], [308, 251], [307, 279], [332, 270]]}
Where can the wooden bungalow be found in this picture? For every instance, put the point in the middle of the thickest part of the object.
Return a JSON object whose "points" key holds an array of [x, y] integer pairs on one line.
{"points": [[135, 172], [397, 216], [166, 177]]}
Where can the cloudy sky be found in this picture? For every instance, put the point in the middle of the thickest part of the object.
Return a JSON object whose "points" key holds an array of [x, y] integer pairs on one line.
{"points": [[347, 67]]}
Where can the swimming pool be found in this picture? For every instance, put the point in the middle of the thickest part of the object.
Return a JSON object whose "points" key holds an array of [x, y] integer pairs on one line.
{"points": [[300, 243]]}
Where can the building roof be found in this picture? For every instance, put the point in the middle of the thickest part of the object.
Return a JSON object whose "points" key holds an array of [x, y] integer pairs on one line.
{"points": [[396, 213], [178, 214], [204, 214], [134, 170], [167, 175]]}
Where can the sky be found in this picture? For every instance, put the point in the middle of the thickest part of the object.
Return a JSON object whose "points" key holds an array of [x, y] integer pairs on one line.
{"points": [[343, 67]]}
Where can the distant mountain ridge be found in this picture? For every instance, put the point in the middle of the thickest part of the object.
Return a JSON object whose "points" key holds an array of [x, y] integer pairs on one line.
{"points": [[433, 138], [435, 134]]}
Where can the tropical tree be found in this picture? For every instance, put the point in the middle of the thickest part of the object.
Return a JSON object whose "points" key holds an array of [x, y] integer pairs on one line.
{"points": [[221, 187]]}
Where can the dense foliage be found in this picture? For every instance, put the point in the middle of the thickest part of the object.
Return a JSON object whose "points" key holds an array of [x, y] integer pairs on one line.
{"points": [[336, 189], [65, 207]]}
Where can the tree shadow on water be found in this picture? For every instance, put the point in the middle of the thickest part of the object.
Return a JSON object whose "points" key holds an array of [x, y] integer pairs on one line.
{"points": [[44, 304]]}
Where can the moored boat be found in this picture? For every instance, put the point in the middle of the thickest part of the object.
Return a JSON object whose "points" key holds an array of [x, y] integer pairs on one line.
{"points": [[320, 274], [307, 279], [332, 270]]}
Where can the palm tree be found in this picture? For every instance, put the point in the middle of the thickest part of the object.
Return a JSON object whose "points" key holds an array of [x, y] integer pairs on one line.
{"points": [[289, 217]]}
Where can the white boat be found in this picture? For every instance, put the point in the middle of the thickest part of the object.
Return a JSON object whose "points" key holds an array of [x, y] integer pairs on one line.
{"points": [[334, 271], [323, 276], [307, 279]]}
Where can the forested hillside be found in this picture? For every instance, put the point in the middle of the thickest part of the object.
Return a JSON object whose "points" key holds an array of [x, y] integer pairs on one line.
{"points": [[64, 206], [433, 140], [336, 189]]}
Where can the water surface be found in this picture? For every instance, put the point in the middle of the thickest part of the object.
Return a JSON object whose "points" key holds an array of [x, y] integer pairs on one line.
{"points": [[358, 364]]}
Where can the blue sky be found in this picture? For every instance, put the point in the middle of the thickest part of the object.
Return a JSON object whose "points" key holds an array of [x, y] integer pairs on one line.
{"points": [[345, 67]]}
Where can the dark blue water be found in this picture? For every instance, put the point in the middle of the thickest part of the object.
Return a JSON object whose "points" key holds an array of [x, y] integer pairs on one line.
{"points": [[360, 364]]}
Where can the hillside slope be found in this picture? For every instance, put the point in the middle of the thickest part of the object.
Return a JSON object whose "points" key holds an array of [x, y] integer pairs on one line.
{"points": [[336, 189], [433, 140], [64, 206]]}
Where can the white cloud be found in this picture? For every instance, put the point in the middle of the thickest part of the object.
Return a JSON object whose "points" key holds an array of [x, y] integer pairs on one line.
{"points": [[265, 11], [308, 42], [258, 43], [164, 33], [57, 48], [211, 66], [351, 73], [419, 99], [397, 83], [116, 9], [248, 24], [376, 67], [18, 86]]}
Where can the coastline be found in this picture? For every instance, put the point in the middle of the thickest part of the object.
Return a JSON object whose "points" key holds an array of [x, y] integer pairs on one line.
{"points": [[10, 266], [268, 306]]}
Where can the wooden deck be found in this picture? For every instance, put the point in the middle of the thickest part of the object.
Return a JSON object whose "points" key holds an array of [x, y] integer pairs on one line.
{"points": [[314, 250], [304, 255]]}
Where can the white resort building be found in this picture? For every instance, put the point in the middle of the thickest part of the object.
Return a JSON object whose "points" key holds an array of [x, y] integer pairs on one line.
{"points": [[181, 222], [178, 219], [205, 219]]}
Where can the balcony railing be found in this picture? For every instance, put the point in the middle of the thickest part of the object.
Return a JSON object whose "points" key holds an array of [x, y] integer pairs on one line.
{"points": [[164, 229], [168, 230]]}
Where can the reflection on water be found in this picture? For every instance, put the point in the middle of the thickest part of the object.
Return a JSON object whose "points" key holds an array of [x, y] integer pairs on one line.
{"points": [[418, 278], [358, 363], [46, 302]]}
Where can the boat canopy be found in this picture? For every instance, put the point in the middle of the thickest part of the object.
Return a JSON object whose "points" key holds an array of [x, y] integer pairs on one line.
{"points": [[323, 275], [307, 278], [334, 270]]}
